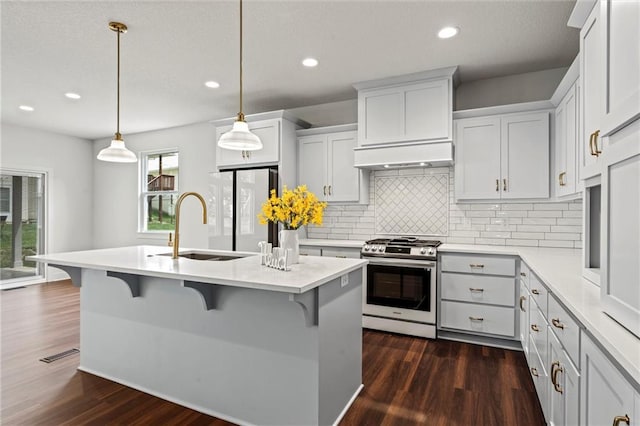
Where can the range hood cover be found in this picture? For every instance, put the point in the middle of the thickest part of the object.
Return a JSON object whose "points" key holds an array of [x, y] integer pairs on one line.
{"points": [[414, 154]]}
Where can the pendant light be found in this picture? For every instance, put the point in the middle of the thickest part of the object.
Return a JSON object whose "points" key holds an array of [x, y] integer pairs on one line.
{"points": [[239, 138], [117, 151]]}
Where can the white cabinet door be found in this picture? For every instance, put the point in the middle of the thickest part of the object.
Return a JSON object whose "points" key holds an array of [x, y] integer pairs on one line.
{"points": [[524, 318], [269, 133], [565, 180], [621, 40], [342, 177], [525, 156], [418, 111], [620, 253], [477, 165], [605, 395], [564, 392], [312, 166], [591, 99]]}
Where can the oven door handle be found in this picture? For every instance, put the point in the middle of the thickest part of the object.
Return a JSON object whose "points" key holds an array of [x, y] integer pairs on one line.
{"points": [[407, 263]]}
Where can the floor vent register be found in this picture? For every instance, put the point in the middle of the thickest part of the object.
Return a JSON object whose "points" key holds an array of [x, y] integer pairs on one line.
{"points": [[61, 355]]}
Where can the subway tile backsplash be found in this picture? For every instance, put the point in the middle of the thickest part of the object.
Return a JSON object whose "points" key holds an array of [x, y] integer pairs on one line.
{"points": [[557, 224]]}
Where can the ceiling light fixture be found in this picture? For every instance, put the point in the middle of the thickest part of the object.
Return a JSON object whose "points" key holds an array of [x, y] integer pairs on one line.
{"points": [[448, 32], [72, 95], [117, 151], [239, 138], [310, 62], [26, 108], [212, 84]]}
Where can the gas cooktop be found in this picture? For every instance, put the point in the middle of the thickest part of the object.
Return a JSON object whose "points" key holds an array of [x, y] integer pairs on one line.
{"points": [[405, 247]]}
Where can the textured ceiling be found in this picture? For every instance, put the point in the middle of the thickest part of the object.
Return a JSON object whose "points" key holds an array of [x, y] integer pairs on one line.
{"points": [[172, 48]]}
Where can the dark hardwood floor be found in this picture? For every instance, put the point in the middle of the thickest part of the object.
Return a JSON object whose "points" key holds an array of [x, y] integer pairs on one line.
{"points": [[408, 381]]}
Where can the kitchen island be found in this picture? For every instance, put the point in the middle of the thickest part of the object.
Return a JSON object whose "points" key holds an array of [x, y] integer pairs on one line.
{"points": [[232, 339]]}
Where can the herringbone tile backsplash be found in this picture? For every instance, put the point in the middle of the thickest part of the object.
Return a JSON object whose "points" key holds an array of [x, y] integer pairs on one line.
{"points": [[412, 201]]}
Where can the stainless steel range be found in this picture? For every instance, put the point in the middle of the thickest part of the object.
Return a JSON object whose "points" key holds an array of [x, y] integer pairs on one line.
{"points": [[400, 294]]}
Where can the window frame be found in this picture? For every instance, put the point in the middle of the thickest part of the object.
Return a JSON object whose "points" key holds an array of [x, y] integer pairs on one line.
{"points": [[143, 191]]}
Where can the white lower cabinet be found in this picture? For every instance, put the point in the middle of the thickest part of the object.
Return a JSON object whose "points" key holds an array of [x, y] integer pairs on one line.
{"points": [[540, 377], [564, 386], [476, 318], [606, 397], [523, 306]]}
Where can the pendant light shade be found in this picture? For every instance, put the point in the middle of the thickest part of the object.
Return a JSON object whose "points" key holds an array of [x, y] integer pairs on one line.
{"points": [[117, 151], [239, 138]]}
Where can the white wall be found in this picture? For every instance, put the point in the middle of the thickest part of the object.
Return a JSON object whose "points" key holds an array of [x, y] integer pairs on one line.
{"points": [[69, 162], [116, 186]]}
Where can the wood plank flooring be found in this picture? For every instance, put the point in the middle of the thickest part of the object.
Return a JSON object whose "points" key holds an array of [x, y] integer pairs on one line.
{"points": [[408, 381]]}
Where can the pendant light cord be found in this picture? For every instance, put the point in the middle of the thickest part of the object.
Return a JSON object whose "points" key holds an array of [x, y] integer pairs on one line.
{"points": [[118, 91], [241, 114]]}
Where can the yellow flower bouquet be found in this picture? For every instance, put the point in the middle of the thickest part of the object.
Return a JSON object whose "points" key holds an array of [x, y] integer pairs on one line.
{"points": [[295, 208]]}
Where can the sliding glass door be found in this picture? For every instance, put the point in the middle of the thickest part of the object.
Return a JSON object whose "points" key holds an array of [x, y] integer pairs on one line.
{"points": [[22, 209]]}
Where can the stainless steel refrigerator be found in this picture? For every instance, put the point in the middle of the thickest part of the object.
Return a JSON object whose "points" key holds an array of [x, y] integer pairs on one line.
{"points": [[235, 200]]}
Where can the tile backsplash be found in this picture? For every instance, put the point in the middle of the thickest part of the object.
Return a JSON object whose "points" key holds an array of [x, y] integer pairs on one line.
{"points": [[548, 224]]}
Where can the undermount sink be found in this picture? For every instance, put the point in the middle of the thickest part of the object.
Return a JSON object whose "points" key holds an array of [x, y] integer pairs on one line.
{"points": [[194, 255]]}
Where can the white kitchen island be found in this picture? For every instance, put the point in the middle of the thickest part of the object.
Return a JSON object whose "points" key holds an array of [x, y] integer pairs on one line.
{"points": [[233, 339]]}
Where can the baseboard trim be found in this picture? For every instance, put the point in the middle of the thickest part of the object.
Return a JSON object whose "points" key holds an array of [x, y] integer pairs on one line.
{"points": [[346, 407]]}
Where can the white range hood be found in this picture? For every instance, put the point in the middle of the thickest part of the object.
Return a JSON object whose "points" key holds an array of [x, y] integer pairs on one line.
{"points": [[411, 154]]}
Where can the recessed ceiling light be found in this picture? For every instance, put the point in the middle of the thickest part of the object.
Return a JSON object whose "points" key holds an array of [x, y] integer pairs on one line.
{"points": [[310, 62], [212, 84], [26, 108], [448, 32], [72, 95]]}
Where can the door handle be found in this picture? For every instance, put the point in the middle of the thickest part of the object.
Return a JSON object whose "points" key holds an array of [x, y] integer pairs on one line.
{"points": [[504, 185], [618, 419], [556, 323], [476, 290], [556, 369], [476, 319], [593, 143], [497, 185], [535, 327], [324, 190], [535, 291], [522, 299], [329, 189]]}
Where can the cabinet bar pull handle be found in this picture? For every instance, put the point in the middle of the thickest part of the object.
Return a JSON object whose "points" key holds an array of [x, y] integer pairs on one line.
{"points": [[523, 274], [341, 257], [478, 290], [556, 323], [535, 327], [595, 143], [591, 144], [476, 318], [522, 299], [618, 419], [535, 291], [504, 185], [304, 254], [324, 190], [476, 265], [534, 371], [329, 189], [561, 179], [555, 370], [497, 185]]}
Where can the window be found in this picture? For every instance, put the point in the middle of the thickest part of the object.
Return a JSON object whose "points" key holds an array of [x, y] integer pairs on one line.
{"points": [[158, 190]]}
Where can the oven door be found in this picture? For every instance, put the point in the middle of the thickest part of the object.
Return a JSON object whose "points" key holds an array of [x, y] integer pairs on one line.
{"points": [[401, 288]]}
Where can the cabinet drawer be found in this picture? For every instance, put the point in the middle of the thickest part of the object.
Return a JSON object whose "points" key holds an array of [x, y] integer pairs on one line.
{"points": [[478, 318], [478, 289], [540, 377], [478, 264], [539, 332], [539, 293], [341, 252], [565, 328], [525, 273], [310, 251]]}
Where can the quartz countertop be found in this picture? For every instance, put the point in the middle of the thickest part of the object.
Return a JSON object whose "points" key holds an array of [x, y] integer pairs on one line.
{"points": [[321, 242], [561, 271], [245, 272]]}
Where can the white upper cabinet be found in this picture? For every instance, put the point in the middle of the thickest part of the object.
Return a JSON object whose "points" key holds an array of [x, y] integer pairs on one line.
{"points": [[620, 230], [620, 35], [417, 107], [502, 157], [591, 99], [326, 161], [269, 133], [566, 178]]}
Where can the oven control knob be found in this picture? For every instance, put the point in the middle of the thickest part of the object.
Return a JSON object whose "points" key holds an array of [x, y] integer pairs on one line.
{"points": [[381, 248], [366, 248], [374, 248], [423, 250]]}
